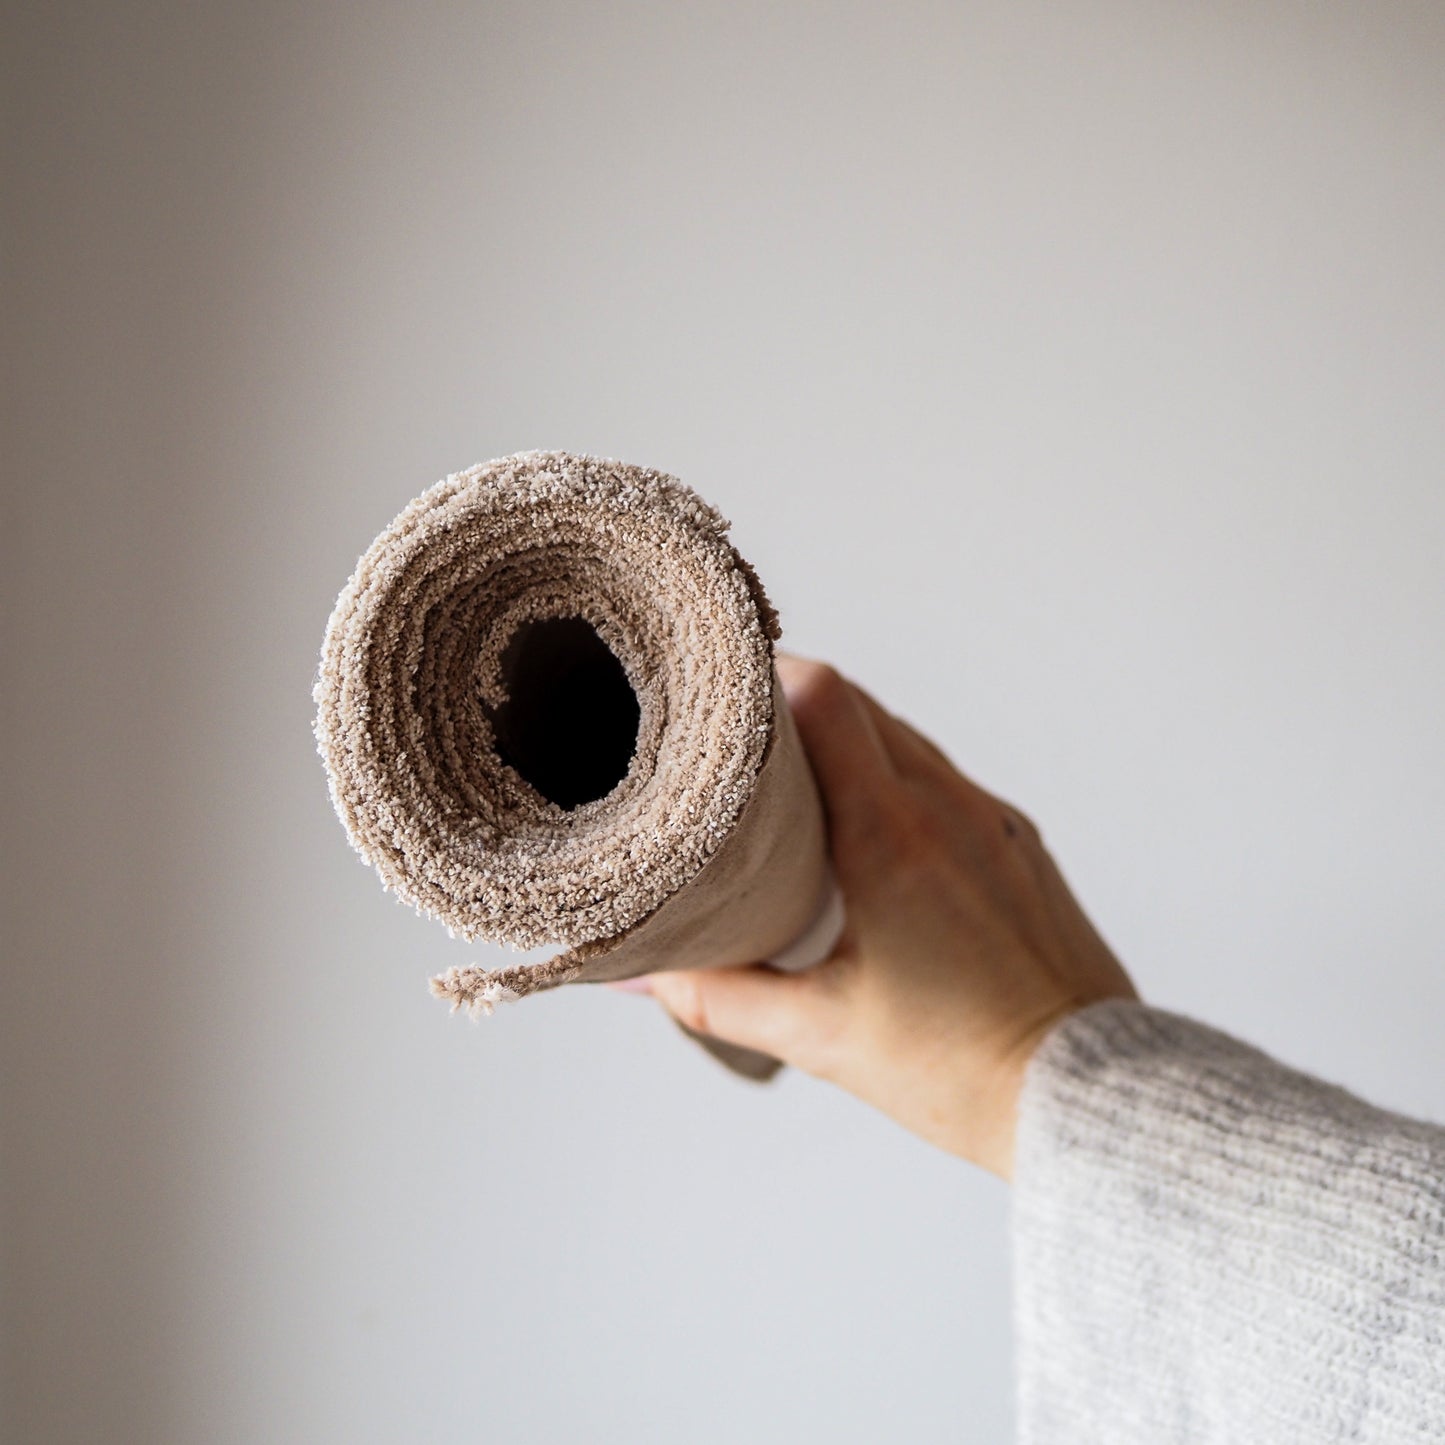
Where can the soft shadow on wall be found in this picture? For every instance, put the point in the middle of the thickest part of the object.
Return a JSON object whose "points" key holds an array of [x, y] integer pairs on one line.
{"points": [[1072, 378]]}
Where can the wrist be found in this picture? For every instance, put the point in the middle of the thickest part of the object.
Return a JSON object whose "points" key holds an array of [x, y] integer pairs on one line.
{"points": [[994, 1146]]}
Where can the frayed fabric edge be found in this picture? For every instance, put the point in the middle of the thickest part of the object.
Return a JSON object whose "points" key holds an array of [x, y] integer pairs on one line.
{"points": [[477, 991]]}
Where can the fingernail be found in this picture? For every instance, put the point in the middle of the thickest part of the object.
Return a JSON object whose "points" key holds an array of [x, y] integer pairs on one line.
{"points": [[642, 984]]}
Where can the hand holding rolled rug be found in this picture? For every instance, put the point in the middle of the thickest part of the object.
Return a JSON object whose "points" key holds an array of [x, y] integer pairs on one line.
{"points": [[549, 714]]}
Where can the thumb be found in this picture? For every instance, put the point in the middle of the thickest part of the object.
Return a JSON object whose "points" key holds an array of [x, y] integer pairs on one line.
{"points": [[751, 1005]]}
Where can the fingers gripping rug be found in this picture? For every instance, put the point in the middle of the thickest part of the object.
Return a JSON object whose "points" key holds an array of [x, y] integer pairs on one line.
{"points": [[549, 714]]}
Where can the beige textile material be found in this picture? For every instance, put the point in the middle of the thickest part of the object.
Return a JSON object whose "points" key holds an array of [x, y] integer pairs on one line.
{"points": [[549, 714]]}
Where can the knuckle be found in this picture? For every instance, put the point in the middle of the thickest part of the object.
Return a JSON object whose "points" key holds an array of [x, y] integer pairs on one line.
{"points": [[899, 834], [815, 687], [1017, 823], [998, 838], [685, 1000]]}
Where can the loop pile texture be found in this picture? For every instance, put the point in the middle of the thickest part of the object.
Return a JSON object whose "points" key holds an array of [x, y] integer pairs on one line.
{"points": [[414, 676]]}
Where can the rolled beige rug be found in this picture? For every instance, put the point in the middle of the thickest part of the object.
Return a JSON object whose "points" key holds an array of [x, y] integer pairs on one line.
{"points": [[549, 715]]}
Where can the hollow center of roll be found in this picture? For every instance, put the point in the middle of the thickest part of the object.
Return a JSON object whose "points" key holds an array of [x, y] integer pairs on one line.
{"points": [[569, 726]]}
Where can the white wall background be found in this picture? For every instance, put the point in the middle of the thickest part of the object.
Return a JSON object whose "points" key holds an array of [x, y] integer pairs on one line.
{"points": [[1074, 377]]}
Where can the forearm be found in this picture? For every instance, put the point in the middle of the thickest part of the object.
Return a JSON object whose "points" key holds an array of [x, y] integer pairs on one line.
{"points": [[1212, 1247]]}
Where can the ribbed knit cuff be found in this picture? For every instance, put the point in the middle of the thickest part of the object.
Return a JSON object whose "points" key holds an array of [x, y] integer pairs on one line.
{"points": [[1210, 1246]]}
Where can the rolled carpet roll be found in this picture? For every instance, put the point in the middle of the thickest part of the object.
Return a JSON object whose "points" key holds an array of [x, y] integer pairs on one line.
{"points": [[549, 714]]}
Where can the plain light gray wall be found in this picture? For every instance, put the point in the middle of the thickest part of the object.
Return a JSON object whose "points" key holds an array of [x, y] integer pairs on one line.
{"points": [[1073, 376]]}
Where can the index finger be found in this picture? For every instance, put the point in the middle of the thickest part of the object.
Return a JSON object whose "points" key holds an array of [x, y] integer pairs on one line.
{"points": [[838, 733]]}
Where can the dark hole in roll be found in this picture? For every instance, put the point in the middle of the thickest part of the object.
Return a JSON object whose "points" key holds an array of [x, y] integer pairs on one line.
{"points": [[569, 726]]}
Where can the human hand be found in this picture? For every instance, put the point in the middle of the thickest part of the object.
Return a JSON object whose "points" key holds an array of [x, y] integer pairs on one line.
{"points": [[963, 945]]}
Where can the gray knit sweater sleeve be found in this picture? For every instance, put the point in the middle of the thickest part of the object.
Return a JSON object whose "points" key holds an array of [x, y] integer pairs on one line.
{"points": [[1212, 1247]]}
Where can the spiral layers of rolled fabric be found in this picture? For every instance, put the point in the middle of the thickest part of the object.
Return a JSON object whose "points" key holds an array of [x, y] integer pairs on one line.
{"points": [[549, 714]]}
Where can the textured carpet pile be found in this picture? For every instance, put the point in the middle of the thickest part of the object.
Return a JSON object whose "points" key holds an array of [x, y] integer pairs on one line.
{"points": [[549, 715]]}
